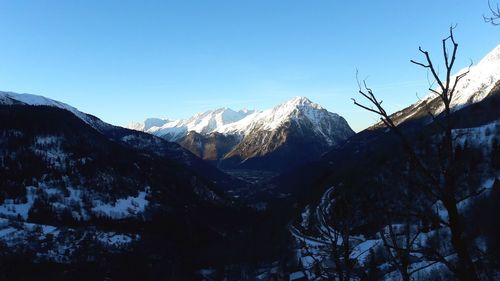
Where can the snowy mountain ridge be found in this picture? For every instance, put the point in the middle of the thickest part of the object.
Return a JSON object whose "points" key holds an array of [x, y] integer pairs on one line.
{"points": [[479, 82], [272, 119], [202, 123], [10, 98], [474, 87], [148, 124], [297, 130], [230, 122]]}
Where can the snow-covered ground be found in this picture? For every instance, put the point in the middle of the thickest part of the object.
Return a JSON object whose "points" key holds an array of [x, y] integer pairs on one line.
{"points": [[58, 244], [316, 248], [131, 206], [15, 209], [482, 136], [75, 200]]}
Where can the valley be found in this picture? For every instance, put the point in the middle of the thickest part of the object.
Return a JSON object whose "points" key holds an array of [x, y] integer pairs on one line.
{"points": [[291, 192]]}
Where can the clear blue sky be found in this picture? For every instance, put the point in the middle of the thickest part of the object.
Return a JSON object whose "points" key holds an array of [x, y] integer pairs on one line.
{"points": [[127, 60]]}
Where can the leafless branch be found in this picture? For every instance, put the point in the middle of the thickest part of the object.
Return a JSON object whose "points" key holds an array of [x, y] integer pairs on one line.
{"points": [[494, 17], [442, 187], [472, 194], [377, 108]]}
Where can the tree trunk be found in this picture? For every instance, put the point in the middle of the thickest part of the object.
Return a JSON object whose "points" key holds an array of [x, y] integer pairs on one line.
{"points": [[347, 254], [465, 268]]}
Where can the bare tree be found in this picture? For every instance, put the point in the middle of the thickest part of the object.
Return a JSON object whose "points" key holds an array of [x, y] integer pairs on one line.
{"points": [[336, 219], [494, 17], [336, 225], [401, 240], [443, 186], [399, 243]]}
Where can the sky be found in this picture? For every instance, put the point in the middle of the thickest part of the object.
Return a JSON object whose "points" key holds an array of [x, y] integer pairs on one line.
{"points": [[124, 61]]}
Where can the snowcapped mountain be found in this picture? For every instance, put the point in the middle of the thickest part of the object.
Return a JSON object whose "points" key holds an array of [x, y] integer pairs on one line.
{"points": [[130, 138], [9, 98], [148, 124], [478, 84], [295, 132], [299, 108], [202, 123]]}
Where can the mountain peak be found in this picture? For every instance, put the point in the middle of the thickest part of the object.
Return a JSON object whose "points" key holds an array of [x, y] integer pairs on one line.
{"points": [[298, 108], [301, 100], [297, 103]]}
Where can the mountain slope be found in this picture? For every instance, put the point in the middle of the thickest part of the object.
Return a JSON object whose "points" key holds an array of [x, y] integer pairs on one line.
{"points": [[132, 138], [73, 196], [286, 136], [57, 170], [477, 85]]}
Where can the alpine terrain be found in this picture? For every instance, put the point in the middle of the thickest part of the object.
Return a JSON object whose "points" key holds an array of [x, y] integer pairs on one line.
{"points": [[288, 193], [286, 136], [79, 195]]}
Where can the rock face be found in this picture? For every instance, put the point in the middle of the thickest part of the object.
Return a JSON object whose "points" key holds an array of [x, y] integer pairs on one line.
{"points": [[291, 134], [210, 147], [288, 135]]}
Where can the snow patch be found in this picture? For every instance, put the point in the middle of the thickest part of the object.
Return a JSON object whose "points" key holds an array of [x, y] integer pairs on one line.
{"points": [[122, 208], [114, 239], [478, 136], [14, 209]]}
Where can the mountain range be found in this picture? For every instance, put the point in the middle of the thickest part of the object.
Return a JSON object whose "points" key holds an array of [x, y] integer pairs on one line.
{"points": [[284, 137], [81, 195]]}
